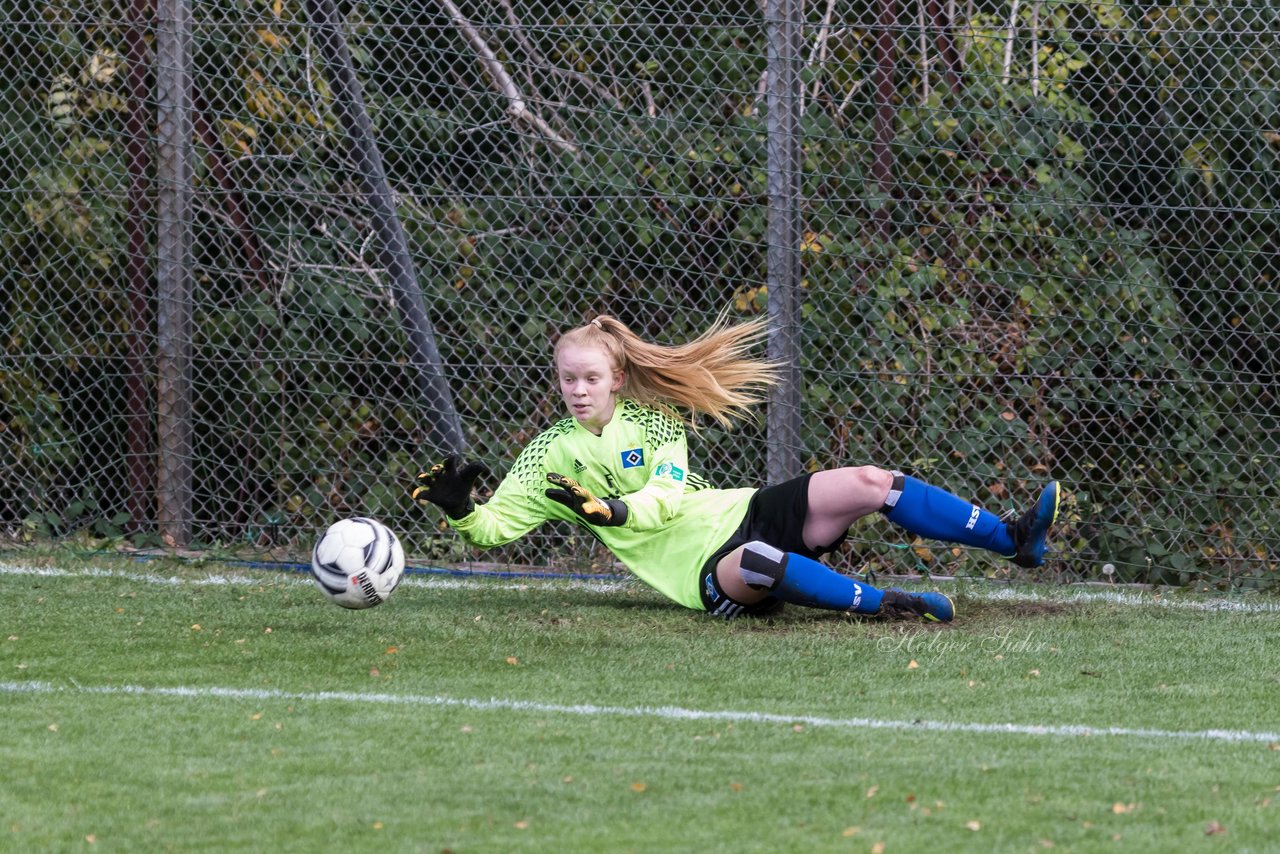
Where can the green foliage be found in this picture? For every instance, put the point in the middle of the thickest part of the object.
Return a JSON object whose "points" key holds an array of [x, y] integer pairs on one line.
{"points": [[1071, 274], [1003, 319], [61, 312]]}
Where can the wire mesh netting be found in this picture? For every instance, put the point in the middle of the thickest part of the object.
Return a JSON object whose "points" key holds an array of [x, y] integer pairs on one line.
{"points": [[267, 259]]}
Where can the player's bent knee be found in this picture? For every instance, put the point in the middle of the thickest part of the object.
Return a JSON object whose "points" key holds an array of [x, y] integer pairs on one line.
{"points": [[762, 566], [871, 478]]}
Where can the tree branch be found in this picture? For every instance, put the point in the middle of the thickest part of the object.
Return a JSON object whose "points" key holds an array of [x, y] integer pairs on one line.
{"points": [[517, 30], [1035, 49], [818, 57], [1008, 45], [503, 82]]}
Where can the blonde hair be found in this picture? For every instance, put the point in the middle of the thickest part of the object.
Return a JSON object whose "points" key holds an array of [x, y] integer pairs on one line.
{"points": [[710, 375]]}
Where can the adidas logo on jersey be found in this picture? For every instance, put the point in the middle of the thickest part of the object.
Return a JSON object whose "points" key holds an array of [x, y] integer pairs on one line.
{"points": [[578, 467]]}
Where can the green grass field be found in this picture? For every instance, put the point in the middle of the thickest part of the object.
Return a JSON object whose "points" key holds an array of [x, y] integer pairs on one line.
{"points": [[157, 706]]}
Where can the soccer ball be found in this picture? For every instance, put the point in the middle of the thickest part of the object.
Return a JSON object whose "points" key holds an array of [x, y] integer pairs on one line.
{"points": [[357, 562]]}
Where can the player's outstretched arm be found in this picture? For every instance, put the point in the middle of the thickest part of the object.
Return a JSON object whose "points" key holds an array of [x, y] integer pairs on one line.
{"points": [[448, 485], [597, 511]]}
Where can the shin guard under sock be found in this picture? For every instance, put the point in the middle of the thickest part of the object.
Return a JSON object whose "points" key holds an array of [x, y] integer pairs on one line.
{"points": [[936, 514], [803, 581]]}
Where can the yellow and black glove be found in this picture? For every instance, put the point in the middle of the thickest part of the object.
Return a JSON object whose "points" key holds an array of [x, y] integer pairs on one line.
{"points": [[598, 511], [448, 486]]}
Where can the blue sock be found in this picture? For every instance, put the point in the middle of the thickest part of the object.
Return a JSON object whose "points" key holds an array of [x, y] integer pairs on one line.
{"points": [[936, 514], [814, 585]]}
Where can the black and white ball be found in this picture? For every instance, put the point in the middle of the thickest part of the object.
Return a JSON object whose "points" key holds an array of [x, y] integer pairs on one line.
{"points": [[358, 562]]}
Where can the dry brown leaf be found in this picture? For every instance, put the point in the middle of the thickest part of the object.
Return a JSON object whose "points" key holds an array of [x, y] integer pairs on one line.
{"points": [[871, 793], [638, 787], [511, 659], [1213, 828], [850, 831], [973, 825], [912, 664], [878, 848]]}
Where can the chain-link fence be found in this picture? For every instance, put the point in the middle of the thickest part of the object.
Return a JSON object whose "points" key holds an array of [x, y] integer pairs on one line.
{"points": [[267, 259]]}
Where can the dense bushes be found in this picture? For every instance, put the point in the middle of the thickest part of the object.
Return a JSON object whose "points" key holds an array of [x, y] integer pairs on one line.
{"points": [[1071, 274]]}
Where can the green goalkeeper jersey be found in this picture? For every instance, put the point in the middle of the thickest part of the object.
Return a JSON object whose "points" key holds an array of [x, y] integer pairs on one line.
{"points": [[675, 520]]}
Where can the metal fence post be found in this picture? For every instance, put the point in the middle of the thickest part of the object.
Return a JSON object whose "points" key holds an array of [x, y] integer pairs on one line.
{"points": [[783, 22], [139, 442], [445, 427], [174, 276]]}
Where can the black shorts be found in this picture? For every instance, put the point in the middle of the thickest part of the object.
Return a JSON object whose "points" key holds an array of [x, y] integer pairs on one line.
{"points": [[775, 516]]}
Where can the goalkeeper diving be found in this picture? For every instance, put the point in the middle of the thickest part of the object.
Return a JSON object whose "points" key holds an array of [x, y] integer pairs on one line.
{"points": [[618, 465]]}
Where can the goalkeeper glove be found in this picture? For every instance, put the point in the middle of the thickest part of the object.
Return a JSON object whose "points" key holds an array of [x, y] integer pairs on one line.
{"points": [[449, 487], [608, 512]]}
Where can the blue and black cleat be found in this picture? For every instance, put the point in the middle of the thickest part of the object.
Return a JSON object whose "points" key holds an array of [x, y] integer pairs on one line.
{"points": [[935, 607], [1030, 530]]}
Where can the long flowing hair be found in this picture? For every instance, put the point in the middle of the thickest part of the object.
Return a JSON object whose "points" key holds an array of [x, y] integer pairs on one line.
{"points": [[713, 375]]}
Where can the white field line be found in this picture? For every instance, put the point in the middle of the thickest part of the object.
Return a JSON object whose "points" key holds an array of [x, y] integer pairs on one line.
{"points": [[1122, 597], [440, 582], [615, 584], [660, 712]]}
